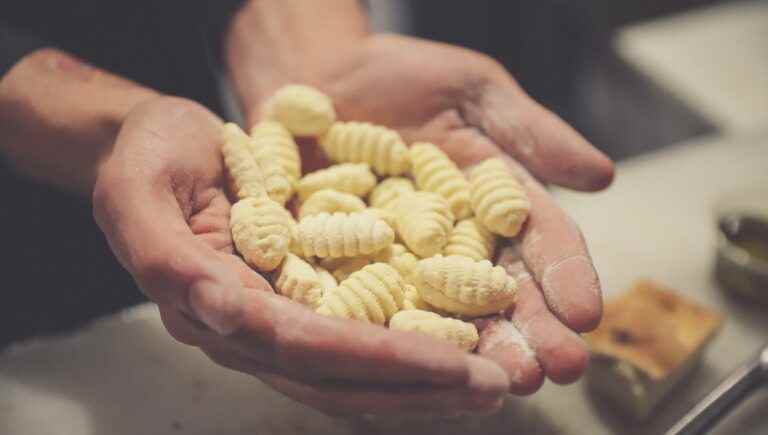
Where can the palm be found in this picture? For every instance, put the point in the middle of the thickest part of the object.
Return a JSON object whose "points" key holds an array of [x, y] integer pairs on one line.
{"points": [[467, 104], [175, 148]]}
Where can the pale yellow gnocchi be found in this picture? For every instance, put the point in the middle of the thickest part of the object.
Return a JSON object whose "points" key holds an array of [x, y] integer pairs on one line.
{"points": [[247, 179], [276, 136], [341, 267], [276, 181], [413, 300], [387, 216], [472, 240], [461, 285], [342, 235], [354, 178], [462, 334], [261, 231], [399, 257], [362, 142], [386, 193], [373, 294], [435, 172], [383, 252], [302, 109], [327, 280], [330, 201], [498, 199], [424, 222], [299, 281]]}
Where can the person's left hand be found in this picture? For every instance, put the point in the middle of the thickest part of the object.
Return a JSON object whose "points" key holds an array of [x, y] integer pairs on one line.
{"points": [[469, 105]]}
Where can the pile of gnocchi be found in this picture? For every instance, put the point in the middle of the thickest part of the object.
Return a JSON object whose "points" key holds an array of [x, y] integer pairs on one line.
{"points": [[389, 234]]}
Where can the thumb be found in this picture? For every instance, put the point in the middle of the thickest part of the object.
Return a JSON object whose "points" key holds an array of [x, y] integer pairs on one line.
{"points": [[149, 234]]}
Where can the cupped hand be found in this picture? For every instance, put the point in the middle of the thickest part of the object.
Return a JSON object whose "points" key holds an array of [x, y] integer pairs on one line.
{"points": [[470, 106], [160, 200]]}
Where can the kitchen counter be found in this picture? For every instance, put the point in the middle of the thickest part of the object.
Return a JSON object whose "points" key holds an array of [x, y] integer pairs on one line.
{"points": [[125, 375]]}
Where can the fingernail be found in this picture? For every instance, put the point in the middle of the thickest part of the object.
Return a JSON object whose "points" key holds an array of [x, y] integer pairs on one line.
{"points": [[572, 289], [487, 385], [219, 307]]}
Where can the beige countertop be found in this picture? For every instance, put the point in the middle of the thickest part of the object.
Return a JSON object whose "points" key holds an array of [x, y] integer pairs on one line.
{"points": [[124, 375], [714, 59]]}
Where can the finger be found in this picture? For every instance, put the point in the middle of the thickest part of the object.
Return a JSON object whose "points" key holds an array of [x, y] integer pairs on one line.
{"points": [[278, 333], [537, 138], [552, 245], [354, 398], [152, 241], [501, 342], [147, 229], [555, 252], [561, 353]]}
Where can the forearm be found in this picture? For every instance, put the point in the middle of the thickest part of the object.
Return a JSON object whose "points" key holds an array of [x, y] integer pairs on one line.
{"points": [[274, 42], [59, 117]]}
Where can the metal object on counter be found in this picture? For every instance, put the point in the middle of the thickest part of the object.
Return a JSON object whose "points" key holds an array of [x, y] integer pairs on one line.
{"points": [[735, 388], [742, 245]]}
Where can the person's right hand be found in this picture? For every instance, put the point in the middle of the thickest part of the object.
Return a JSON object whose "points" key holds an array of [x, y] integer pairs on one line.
{"points": [[161, 202]]}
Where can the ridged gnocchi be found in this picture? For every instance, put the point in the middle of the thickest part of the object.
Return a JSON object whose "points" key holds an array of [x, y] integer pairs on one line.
{"points": [[462, 334], [354, 178], [298, 280], [342, 235], [498, 200], [362, 142], [373, 294], [410, 252], [413, 300], [246, 176], [276, 181], [424, 222], [303, 110], [461, 285], [386, 193], [399, 257], [261, 231], [386, 215], [276, 136], [435, 172], [330, 201], [470, 239], [342, 267], [327, 280]]}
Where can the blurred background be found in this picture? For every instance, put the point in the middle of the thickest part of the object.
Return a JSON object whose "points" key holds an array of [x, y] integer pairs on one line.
{"points": [[626, 74]]}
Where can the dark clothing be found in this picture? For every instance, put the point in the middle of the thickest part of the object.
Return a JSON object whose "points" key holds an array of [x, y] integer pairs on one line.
{"points": [[168, 45], [58, 271]]}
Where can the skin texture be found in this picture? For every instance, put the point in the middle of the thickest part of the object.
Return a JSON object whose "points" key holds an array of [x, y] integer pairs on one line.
{"points": [[47, 138]]}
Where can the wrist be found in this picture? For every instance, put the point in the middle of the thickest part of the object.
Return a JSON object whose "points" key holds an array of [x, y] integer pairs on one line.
{"points": [[271, 43], [61, 116]]}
